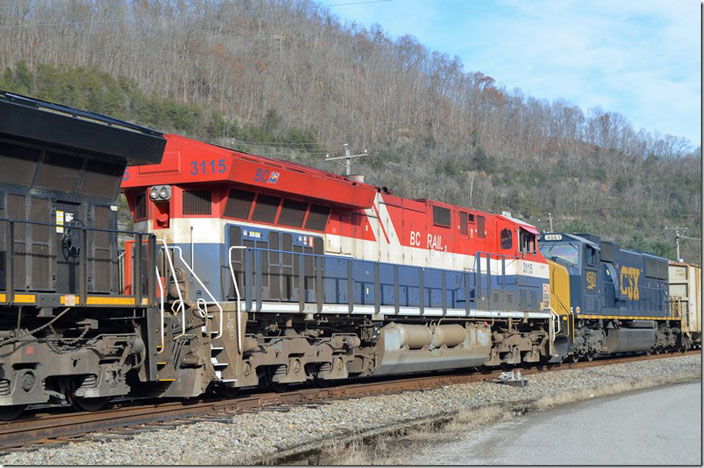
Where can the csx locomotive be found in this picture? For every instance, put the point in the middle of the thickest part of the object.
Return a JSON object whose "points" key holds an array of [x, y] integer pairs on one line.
{"points": [[245, 271]]}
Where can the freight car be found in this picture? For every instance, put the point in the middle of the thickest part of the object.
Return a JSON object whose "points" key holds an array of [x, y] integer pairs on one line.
{"points": [[618, 298], [280, 273], [686, 301], [67, 329]]}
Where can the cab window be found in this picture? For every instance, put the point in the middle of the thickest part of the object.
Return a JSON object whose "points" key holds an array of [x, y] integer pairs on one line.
{"points": [[506, 239], [590, 256], [527, 241]]}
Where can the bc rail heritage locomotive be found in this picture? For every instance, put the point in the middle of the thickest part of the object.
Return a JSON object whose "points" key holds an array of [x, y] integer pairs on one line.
{"points": [[245, 271]]}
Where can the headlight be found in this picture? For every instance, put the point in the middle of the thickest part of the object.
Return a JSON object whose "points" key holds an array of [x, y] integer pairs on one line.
{"points": [[160, 192]]}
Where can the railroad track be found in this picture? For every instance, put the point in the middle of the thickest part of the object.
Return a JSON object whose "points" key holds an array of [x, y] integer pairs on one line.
{"points": [[122, 422]]}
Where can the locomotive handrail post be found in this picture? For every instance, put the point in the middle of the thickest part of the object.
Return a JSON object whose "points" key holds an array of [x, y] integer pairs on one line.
{"points": [[258, 278], [319, 293], [301, 283], [137, 280], [161, 309], [377, 289], [444, 293], [83, 266], [248, 260], [466, 293], [421, 291], [477, 276], [238, 324], [10, 262], [488, 277], [350, 287], [151, 286], [503, 272], [397, 300]]}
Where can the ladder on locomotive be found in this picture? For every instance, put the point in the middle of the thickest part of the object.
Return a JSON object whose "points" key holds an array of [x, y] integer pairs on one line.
{"points": [[212, 327]]}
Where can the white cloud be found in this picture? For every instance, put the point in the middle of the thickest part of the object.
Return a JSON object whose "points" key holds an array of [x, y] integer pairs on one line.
{"points": [[638, 58]]}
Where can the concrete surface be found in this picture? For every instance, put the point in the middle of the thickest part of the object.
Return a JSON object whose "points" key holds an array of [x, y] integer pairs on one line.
{"points": [[661, 426]]}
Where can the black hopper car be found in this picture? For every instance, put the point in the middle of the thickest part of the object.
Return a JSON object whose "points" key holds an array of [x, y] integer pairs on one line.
{"points": [[68, 331]]}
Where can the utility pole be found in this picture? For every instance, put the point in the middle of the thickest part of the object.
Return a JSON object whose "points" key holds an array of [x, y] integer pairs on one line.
{"points": [[348, 158], [680, 235], [550, 221]]}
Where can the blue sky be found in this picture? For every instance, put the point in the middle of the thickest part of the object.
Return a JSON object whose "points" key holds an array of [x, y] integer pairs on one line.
{"points": [[640, 58]]}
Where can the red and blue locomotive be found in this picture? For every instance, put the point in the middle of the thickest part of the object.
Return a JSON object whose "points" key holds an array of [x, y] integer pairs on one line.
{"points": [[296, 273]]}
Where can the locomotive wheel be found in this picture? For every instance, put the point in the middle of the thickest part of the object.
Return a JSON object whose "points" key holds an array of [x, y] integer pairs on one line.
{"points": [[590, 356], [574, 357], [88, 404], [8, 413]]}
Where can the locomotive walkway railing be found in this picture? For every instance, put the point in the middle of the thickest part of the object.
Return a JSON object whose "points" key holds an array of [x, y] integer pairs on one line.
{"points": [[61, 263], [463, 293]]}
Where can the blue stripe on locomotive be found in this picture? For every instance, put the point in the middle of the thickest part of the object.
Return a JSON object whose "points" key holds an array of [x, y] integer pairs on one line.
{"points": [[217, 280]]}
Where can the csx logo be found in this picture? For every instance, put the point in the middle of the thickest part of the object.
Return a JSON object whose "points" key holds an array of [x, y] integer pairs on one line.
{"points": [[629, 282], [591, 279]]}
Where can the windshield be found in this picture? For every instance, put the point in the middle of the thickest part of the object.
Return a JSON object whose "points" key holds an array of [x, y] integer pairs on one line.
{"points": [[566, 252]]}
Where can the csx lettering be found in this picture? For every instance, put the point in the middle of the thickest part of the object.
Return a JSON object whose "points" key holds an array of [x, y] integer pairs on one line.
{"points": [[629, 282], [591, 279]]}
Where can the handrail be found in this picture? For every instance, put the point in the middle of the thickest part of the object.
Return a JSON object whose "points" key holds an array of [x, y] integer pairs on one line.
{"points": [[81, 228], [195, 276], [161, 308], [178, 289], [237, 293]]}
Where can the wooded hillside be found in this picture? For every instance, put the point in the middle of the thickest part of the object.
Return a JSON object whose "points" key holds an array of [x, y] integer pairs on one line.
{"points": [[288, 79]]}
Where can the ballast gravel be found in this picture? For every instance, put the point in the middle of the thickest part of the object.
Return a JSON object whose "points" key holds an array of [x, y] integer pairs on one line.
{"points": [[254, 436]]}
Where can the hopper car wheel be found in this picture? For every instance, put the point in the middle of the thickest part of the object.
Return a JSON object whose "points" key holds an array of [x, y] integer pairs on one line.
{"points": [[8, 413], [88, 404]]}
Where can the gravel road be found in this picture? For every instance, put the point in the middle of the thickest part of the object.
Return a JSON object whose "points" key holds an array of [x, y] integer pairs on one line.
{"points": [[253, 436]]}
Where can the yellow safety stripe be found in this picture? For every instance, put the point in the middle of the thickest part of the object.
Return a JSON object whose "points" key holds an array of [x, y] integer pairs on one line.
{"points": [[623, 317], [90, 300], [113, 300]]}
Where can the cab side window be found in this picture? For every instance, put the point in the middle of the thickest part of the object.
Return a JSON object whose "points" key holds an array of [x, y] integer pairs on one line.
{"points": [[590, 256], [506, 239], [527, 241]]}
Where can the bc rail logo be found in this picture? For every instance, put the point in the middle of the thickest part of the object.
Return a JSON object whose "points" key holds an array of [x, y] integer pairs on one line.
{"points": [[266, 177]]}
